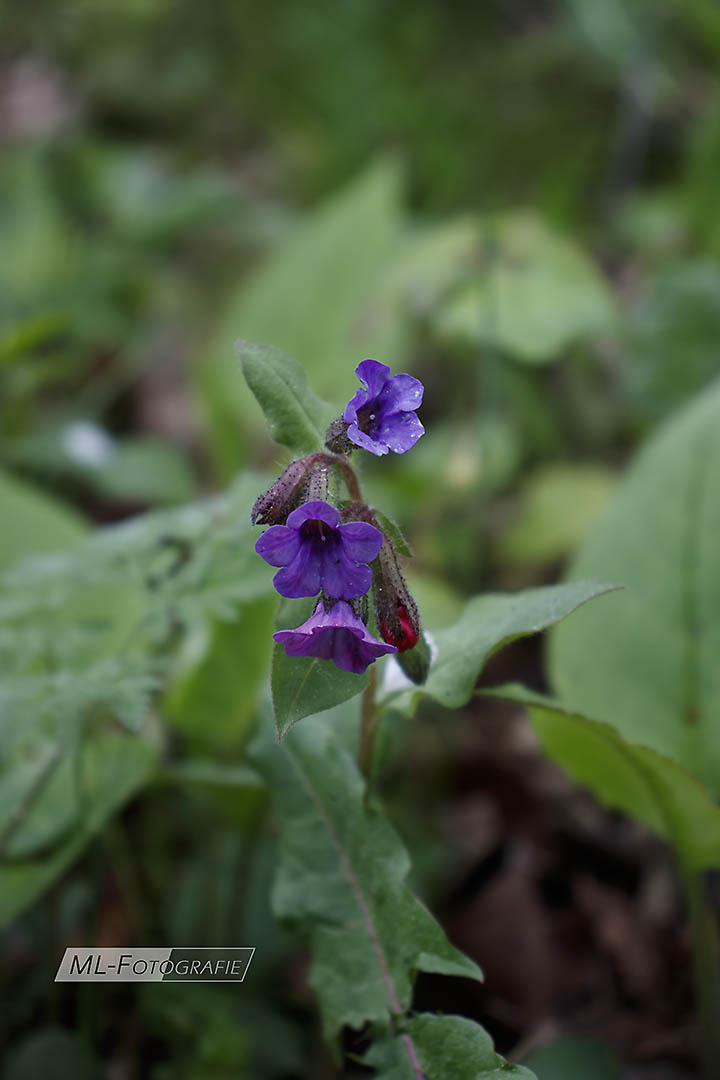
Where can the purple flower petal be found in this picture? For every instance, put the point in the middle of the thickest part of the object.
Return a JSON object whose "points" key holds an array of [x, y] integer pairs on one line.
{"points": [[356, 402], [315, 510], [402, 393], [278, 545], [400, 431], [311, 549], [360, 540], [374, 375], [302, 576], [366, 441], [382, 417], [344, 578], [338, 635]]}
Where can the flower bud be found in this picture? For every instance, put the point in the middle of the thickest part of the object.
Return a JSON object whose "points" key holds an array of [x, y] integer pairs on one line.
{"points": [[416, 662], [396, 612], [273, 507], [336, 438]]}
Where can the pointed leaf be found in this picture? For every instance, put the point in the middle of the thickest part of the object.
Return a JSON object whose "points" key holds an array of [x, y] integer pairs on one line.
{"points": [[114, 767], [341, 878], [439, 1047], [296, 417], [488, 622], [627, 776], [646, 660]]}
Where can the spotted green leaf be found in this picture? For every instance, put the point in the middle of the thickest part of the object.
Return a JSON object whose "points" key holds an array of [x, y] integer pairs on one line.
{"points": [[341, 879], [438, 1047]]}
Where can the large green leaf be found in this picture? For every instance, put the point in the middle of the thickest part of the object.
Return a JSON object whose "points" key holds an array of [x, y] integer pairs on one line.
{"points": [[488, 622], [319, 296], [114, 767], [672, 336], [341, 878], [628, 776], [302, 686], [204, 701], [646, 660], [440, 1047], [534, 294], [296, 416], [33, 522]]}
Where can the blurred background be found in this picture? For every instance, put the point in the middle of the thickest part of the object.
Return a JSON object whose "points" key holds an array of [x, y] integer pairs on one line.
{"points": [[517, 202]]}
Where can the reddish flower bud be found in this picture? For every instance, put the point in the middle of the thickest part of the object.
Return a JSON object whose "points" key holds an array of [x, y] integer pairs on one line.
{"points": [[396, 612], [409, 634]]}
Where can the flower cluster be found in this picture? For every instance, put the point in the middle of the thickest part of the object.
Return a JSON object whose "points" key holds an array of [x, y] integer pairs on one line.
{"points": [[339, 553]]}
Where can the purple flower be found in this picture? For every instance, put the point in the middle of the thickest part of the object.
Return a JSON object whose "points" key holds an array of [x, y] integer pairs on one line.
{"points": [[337, 635], [317, 552], [382, 416]]}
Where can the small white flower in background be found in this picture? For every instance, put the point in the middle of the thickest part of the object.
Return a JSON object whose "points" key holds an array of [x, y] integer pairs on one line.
{"points": [[87, 444]]}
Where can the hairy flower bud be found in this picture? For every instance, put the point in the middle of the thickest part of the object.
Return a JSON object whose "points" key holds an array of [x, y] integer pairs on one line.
{"points": [[273, 507], [336, 437], [396, 612]]}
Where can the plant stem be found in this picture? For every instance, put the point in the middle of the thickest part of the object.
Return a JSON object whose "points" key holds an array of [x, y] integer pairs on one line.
{"points": [[368, 726], [705, 936], [348, 473]]}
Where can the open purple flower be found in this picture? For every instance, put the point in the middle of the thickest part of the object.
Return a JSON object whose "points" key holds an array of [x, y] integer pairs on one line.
{"points": [[317, 552], [382, 416], [337, 635]]}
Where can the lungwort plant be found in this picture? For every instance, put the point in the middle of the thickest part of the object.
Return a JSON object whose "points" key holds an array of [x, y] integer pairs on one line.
{"points": [[100, 642], [345, 608]]}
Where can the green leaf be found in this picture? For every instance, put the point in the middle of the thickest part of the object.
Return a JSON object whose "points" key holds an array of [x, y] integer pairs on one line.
{"points": [[558, 505], [443, 1047], [302, 686], [114, 767], [204, 703], [146, 470], [393, 533], [628, 776], [646, 661], [296, 417], [488, 623], [33, 522], [572, 1058], [341, 878], [50, 774], [672, 336], [534, 295], [320, 297]]}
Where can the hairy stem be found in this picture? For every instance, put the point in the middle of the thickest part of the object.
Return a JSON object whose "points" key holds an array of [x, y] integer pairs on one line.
{"points": [[368, 726], [348, 473], [705, 936]]}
